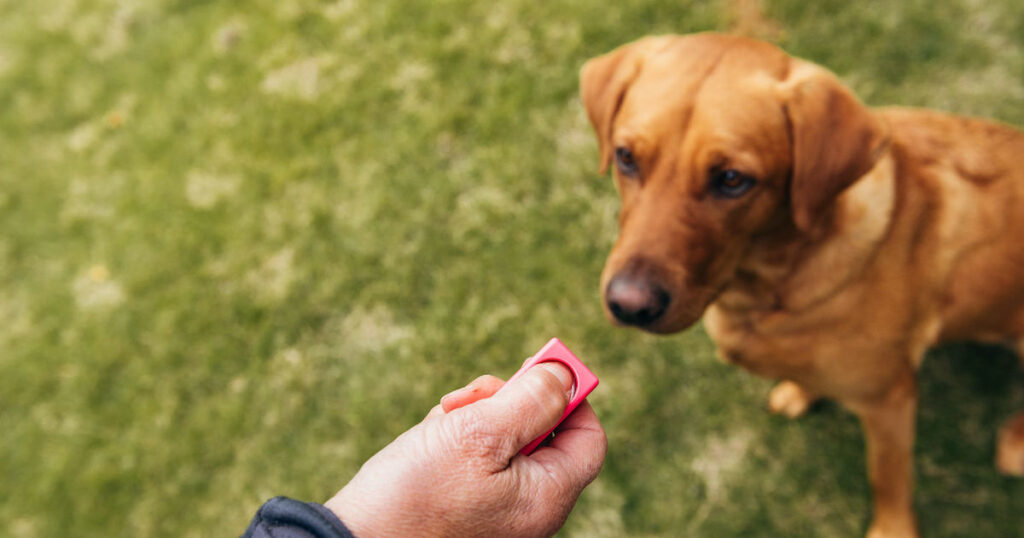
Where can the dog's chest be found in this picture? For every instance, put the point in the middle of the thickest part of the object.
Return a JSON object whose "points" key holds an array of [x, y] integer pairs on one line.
{"points": [[825, 352], [739, 342]]}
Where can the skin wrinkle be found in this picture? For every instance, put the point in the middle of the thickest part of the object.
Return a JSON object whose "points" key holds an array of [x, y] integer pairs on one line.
{"points": [[688, 132], [611, 128], [482, 441], [686, 114], [688, 117], [791, 138]]}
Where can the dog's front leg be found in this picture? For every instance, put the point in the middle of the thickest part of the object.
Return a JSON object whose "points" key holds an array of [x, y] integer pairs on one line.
{"points": [[888, 423]]}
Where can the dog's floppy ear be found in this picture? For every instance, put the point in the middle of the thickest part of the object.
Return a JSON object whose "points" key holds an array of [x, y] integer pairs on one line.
{"points": [[603, 84], [836, 139]]}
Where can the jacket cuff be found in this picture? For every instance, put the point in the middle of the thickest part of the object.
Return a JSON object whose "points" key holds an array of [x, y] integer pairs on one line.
{"points": [[282, 517]]}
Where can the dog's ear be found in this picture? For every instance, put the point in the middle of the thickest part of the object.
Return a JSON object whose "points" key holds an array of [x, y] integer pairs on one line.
{"points": [[603, 84], [836, 139]]}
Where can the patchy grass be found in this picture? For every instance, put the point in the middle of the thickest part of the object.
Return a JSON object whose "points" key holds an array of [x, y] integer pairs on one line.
{"points": [[245, 244]]}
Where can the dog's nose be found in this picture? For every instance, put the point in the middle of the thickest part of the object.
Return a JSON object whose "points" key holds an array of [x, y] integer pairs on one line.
{"points": [[636, 301]]}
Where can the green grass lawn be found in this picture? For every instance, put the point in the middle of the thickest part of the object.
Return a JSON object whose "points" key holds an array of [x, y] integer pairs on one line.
{"points": [[245, 244]]}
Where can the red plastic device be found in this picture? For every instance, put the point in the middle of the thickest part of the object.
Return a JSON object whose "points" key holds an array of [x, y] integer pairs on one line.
{"points": [[584, 381]]}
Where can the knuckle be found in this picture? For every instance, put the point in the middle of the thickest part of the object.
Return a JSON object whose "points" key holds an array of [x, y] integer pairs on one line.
{"points": [[476, 437], [602, 443], [592, 466], [482, 380]]}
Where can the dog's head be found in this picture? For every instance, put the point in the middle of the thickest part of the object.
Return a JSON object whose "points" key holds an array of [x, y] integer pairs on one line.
{"points": [[715, 141]]}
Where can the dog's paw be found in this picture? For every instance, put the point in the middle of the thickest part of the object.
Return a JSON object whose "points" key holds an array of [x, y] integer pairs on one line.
{"points": [[789, 399], [899, 530], [1010, 447]]}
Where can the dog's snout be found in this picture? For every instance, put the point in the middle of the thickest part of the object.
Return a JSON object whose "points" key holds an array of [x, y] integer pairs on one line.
{"points": [[636, 301]]}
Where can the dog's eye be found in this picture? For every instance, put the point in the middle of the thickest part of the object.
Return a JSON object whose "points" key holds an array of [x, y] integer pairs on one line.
{"points": [[730, 183], [626, 162]]}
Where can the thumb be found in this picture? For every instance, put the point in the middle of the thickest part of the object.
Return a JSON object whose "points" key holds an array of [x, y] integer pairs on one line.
{"points": [[530, 405]]}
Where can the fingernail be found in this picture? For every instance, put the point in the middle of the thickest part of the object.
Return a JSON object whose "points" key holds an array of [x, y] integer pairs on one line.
{"points": [[563, 374]]}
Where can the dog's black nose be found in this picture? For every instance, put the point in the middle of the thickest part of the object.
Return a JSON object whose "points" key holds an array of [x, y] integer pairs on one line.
{"points": [[636, 301]]}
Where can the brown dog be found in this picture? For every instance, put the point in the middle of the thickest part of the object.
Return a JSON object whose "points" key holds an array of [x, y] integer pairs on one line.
{"points": [[826, 244]]}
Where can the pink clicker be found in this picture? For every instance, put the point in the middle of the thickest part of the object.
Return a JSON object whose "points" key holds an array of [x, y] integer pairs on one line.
{"points": [[584, 381]]}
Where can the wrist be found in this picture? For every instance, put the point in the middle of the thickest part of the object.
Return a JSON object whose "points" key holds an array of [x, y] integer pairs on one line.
{"points": [[354, 516], [367, 514]]}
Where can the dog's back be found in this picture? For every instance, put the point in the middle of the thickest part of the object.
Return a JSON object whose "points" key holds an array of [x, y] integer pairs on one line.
{"points": [[970, 188]]}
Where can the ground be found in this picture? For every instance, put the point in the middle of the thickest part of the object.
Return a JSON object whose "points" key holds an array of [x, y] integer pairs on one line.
{"points": [[245, 244]]}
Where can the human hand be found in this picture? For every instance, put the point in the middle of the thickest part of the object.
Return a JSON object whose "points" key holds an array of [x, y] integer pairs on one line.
{"points": [[459, 471]]}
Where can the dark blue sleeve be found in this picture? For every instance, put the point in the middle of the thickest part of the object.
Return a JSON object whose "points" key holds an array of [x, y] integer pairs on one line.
{"points": [[282, 517]]}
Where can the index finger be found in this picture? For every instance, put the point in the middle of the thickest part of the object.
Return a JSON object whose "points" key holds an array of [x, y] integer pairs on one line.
{"points": [[482, 387]]}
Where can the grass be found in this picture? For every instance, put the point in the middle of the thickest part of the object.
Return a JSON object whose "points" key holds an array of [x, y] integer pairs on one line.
{"points": [[245, 244]]}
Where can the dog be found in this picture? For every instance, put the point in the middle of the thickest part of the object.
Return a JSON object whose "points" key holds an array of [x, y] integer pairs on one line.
{"points": [[826, 244]]}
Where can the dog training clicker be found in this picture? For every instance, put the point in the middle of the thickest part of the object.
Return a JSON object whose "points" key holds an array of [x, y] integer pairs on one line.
{"points": [[584, 381]]}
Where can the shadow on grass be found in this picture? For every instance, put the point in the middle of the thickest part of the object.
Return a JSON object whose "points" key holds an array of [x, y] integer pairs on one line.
{"points": [[704, 455], [967, 390]]}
